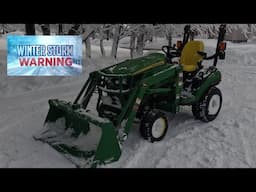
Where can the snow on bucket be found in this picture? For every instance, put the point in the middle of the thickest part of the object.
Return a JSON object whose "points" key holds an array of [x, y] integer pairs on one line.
{"points": [[79, 134]]}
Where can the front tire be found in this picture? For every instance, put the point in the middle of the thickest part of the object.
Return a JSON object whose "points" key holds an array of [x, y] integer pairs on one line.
{"points": [[154, 126], [208, 108]]}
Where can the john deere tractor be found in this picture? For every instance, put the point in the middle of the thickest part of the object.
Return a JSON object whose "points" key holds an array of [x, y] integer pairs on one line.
{"points": [[146, 88]]}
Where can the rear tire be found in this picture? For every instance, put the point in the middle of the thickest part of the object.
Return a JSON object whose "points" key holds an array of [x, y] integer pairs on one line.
{"points": [[208, 108], [154, 126]]}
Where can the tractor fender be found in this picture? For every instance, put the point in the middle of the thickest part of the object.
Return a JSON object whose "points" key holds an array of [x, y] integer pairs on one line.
{"points": [[212, 80]]}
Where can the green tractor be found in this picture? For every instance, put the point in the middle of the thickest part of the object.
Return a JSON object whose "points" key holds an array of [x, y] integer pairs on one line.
{"points": [[91, 130]]}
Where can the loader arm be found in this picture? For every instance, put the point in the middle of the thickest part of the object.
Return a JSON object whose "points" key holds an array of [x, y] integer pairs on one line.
{"points": [[88, 90]]}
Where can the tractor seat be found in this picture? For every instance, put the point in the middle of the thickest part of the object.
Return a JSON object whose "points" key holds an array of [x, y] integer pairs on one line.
{"points": [[189, 56]]}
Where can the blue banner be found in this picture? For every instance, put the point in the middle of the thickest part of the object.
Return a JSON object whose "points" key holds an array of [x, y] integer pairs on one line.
{"points": [[35, 55]]}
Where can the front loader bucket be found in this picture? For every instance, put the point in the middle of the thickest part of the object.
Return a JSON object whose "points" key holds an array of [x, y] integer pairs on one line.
{"points": [[84, 138]]}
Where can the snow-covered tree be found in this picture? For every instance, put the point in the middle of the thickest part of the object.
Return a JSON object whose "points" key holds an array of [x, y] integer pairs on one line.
{"points": [[168, 31], [102, 37], [171, 30], [119, 31], [139, 34], [103, 33], [30, 29], [45, 29], [116, 37], [88, 31], [211, 30], [132, 43], [75, 29], [60, 29], [140, 40], [7, 28]]}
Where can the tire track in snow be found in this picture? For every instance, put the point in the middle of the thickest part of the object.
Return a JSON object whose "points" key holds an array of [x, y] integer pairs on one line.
{"points": [[146, 154], [151, 154], [245, 122], [238, 86], [139, 156], [204, 146]]}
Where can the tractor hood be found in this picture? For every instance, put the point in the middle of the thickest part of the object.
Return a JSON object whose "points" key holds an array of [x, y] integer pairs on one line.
{"points": [[137, 66]]}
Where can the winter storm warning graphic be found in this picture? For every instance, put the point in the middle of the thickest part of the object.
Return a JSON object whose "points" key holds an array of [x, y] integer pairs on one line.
{"points": [[44, 55]]}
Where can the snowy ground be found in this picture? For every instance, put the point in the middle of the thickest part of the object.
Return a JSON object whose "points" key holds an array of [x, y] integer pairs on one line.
{"points": [[229, 141]]}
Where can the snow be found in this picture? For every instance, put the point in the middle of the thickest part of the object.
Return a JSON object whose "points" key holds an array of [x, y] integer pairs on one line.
{"points": [[228, 141], [55, 133]]}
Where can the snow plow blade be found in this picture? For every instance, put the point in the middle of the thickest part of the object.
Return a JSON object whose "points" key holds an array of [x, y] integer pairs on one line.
{"points": [[84, 138]]}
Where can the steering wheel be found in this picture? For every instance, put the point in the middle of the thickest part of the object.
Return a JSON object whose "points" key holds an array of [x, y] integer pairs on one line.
{"points": [[170, 52], [166, 49]]}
